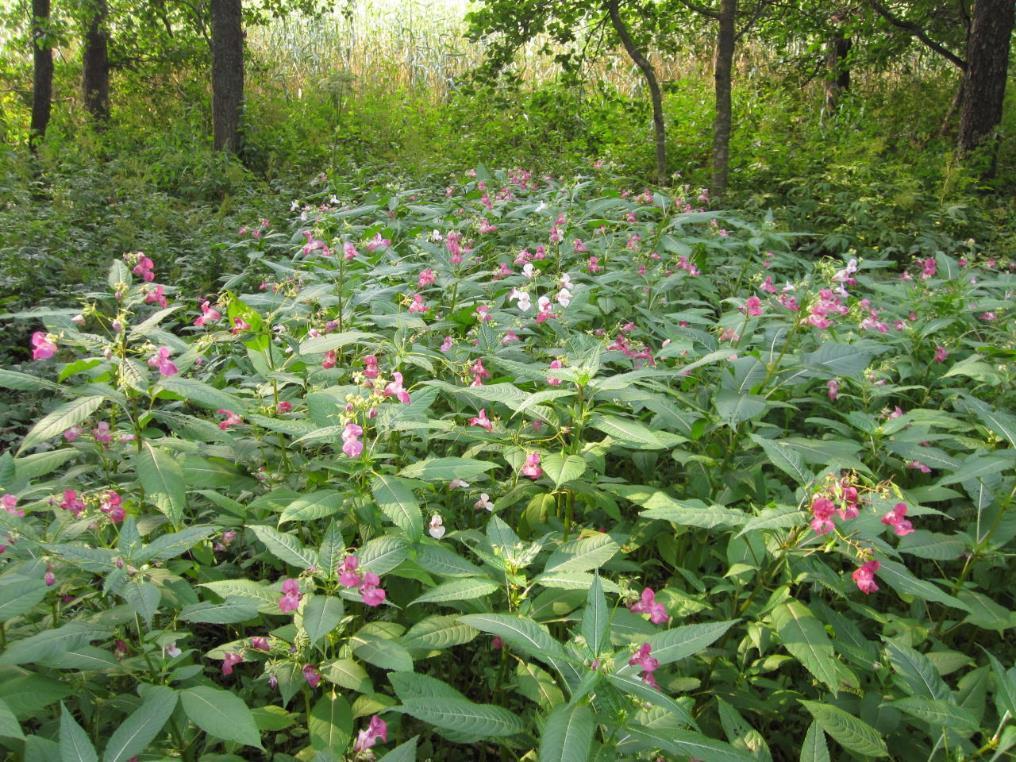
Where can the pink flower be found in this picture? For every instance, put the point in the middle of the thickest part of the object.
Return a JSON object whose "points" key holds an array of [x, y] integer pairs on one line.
{"points": [[208, 315], [895, 519], [72, 434], [917, 465], [864, 577], [642, 658], [482, 421], [290, 600], [941, 353], [349, 251], [833, 387], [928, 268], [376, 731], [418, 305], [647, 605], [44, 346], [395, 389], [71, 502], [49, 578], [311, 675], [446, 345], [479, 373], [260, 643], [370, 590], [987, 317], [484, 503], [239, 326], [378, 242], [348, 576], [145, 268], [483, 313], [157, 296], [555, 365], [284, 407], [767, 285], [10, 504], [579, 246], [822, 509], [531, 468], [229, 660], [161, 361], [510, 337], [427, 278], [370, 368], [330, 360], [753, 306], [232, 419], [486, 227], [112, 505], [351, 444], [593, 265]]}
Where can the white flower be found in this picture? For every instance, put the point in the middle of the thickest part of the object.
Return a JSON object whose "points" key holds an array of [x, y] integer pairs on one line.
{"points": [[543, 303], [435, 235], [172, 650], [484, 502], [566, 281], [564, 297], [528, 270], [457, 484], [436, 528], [294, 206], [524, 303]]}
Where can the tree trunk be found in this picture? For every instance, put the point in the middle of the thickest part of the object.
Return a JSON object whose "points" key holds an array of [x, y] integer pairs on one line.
{"points": [[95, 64], [655, 95], [984, 81], [227, 73], [42, 80], [838, 72], [723, 66]]}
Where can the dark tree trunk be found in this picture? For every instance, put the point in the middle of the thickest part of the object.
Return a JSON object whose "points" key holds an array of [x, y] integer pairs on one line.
{"points": [[42, 80], [838, 74], [984, 81], [655, 95], [227, 73], [723, 68], [95, 64]]}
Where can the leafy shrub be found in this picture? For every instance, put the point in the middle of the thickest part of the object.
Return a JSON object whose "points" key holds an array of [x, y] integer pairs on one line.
{"points": [[538, 467]]}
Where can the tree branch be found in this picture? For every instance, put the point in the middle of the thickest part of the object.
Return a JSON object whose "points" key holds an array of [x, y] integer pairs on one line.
{"points": [[916, 31], [701, 9]]}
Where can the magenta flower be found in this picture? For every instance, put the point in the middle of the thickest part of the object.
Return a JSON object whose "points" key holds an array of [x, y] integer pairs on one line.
{"points": [[378, 242], [43, 345], [330, 359], [371, 591], [479, 373], [417, 306], [553, 380], [427, 278], [229, 660], [753, 306], [928, 268], [822, 509], [642, 658], [311, 675], [290, 600], [348, 576], [72, 434], [376, 730], [896, 519], [239, 326], [864, 577], [351, 444], [531, 468], [833, 387], [208, 315], [370, 368], [49, 578], [284, 407], [157, 296], [483, 313], [260, 643], [161, 361], [232, 419], [647, 604], [446, 345], [593, 265], [349, 251], [510, 337], [112, 505], [10, 504], [941, 353], [482, 421], [917, 465], [395, 389], [71, 502], [145, 268]]}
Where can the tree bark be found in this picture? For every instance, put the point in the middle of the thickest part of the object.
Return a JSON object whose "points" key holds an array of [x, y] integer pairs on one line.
{"points": [[95, 64], [984, 80], [42, 79], [838, 74], [227, 74], [722, 71], [655, 95]]}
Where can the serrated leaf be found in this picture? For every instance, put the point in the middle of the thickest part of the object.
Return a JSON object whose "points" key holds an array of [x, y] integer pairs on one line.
{"points": [[220, 714], [568, 734], [939, 714], [734, 408], [465, 717], [163, 482], [438, 632], [9, 726], [785, 459], [898, 577], [231, 611], [396, 500], [596, 618], [562, 469], [202, 394], [520, 633], [330, 723], [142, 726], [404, 752], [316, 505], [626, 431], [285, 547], [318, 345], [64, 417], [804, 637], [458, 590], [321, 615], [687, 640], [781, 517], [584, 554], [917, 671], [75, 745], [686, 743], [848, 731], [19, 595], [52, 643], [446, 469], [814, 748]]}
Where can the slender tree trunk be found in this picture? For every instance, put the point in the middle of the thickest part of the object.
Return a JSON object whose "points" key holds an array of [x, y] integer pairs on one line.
{"points": [[655, 95], [723, 73], [838, 72], [954, 106], [227, 73], [95, 64], [984, 81], [42, 80]]}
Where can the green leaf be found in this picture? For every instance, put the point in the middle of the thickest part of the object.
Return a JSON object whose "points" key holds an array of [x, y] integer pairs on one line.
{"points": [[458, 590], [596, 618], [75, 745], [848, 731], [446, 469], [316, 505], [781, 517], [285, 547], [681, 642], [333, 548], [202, 394], [583, 554], [318, 345], [520, 633], [939, 714], [933, 546], [785, 459], [844, 360], [381, 652], [382, 554], [898, 577], [396, 500], [347, 673], [1001, 423], [24, 382], [803, 635], [220, 714], [19, 595], [463, 716], [404, 752], [439, 560], [233, 610], [568, 734], [9, 726], [917, 672], [321, 615], [411, 685], [438, 632], [814, 748], [563, 468], [142, 726], [1005, 685], [687, 743], [162, 479], [64, 417], [735, 408], [174, 544], [330, 723], [143, 597], [628, 432], [692, 513], [49, 644]]}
